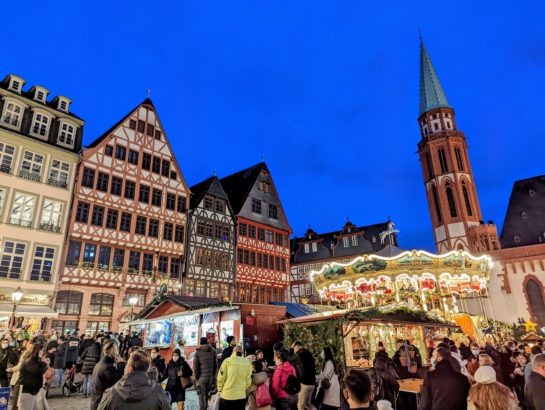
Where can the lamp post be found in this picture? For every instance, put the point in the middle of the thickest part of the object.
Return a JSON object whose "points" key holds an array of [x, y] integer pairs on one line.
{"points": [[133, 300], [16, 297]]}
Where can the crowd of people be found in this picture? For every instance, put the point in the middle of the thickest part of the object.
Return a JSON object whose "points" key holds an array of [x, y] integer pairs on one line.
{"points": [[116, 372]]}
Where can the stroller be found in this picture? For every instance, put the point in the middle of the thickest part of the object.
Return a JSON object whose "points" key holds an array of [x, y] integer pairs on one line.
{"points": [[74, 380]]}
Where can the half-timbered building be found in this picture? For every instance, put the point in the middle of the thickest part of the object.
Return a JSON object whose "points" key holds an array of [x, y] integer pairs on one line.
{"points": [[40, 140], [263, 253], [127, 225], [210, 261]]}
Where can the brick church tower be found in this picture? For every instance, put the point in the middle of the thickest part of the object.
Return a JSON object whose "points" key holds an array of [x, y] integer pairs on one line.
{"points": [[450, 187]]}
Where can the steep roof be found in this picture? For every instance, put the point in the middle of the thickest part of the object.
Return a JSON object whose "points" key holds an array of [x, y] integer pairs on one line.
{"points": [[524, 222], [431, 93], [237, 186], [211, 186]]}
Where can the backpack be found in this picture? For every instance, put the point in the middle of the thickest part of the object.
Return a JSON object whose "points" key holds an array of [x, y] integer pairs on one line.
{"points": [[293, 386], [262, 396]]}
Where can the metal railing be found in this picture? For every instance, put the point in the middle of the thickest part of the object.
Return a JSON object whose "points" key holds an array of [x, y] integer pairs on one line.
{"points": [[29, 175], [49, 227], [57, 183], [5, 169], [21, 222]]}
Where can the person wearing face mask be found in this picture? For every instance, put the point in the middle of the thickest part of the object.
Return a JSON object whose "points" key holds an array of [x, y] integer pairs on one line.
{"points": [[473, 360], [7, 357], [158, 365], [176, 369]]}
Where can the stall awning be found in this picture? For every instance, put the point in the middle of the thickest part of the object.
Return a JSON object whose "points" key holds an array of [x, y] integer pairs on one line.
{"points": [[186, 313], [28, 310]]}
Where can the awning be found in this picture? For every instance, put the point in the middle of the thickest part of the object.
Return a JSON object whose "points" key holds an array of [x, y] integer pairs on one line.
{"points": [[185, 313], [28, 310]]}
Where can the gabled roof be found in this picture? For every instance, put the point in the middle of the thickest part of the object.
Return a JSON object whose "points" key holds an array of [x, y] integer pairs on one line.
{"points": [[524, 222], [211, 186], [431, 93], [237, 186], [187, 302]]}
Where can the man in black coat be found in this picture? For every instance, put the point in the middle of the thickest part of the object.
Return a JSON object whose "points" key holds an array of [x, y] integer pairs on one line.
{"points": [[205, 366], [7, 357], [304, 364], [534, 390], [72, 351], [228, 351], [106, 373], [444, 388]]}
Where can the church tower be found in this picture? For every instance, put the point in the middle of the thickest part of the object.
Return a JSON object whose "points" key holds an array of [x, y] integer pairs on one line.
{"points": [[450, 187]]}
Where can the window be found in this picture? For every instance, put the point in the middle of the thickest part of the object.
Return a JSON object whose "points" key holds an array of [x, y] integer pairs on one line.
{"points": [[466, 200], [23, 209], [73, 255], [175, 264], [354, 240], [111, 219], [157, 134], [141, 126], [243, 229], [150, 130], [146, 161], [156, 197], [278, 237], [125, 225], [108, 150], [2, 200], [167, 231], [120, 152], [88, 178], [132, 124], [82, 212], [63, 105], [261, 234], [94, 327], [101, 304], [269, 236], [143, 196], [6, 157], [133, 157], [116, 186], [119, 258], [179, 234], [171, 201], [208, 229], [140, 227], [307, 248], [429, 165], [225, 233], [173, 175], [459, 159], [346, 242], [153, 229], [443, 160], [451, 203], [130, 187], [97, 218], [256, 206], [40, 125], [42, 264], [200, 288], [68, 302], [11, 260], [58, 174], [220, 206], [67, 133], [200, 227], [251, 231], [12, 114], [208, 202], [102, 182], [165, 168], [31, 167], [436, 204], [314, 247], [156, 165], [51, 215], [273, 211], [147, 264], [141, 299], [182, 204], [64, 326], [89, 253], [134, 261], [163, 264], [104, 257]]}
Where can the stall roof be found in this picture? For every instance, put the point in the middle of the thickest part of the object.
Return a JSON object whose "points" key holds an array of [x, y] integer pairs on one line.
{"points": [[28, 310], [296, 310], [190, 303]]}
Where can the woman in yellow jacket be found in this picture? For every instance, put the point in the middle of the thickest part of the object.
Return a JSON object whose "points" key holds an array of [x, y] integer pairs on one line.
{"points": [[234, 378]]}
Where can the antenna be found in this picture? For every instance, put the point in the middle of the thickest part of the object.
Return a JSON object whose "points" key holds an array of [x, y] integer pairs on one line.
{"points": [[262, 157], [420, 34], [149, 92]]}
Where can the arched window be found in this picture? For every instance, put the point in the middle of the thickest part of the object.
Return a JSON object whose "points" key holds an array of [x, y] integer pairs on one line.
{"points": [[436, 204], [442, 160], [451, 203], [535, 301], [102, 304], [466, 200], [68, 302], [429, 165]]}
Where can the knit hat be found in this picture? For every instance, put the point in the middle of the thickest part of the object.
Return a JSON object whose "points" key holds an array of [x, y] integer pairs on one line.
{"points": [[485, 375], [230, 338]]}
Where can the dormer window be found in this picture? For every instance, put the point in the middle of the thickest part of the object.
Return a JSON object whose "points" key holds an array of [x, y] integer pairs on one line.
{"points": [[13, 113], [67, 134], [40, 125], [63, 104], [307, 248], [346, 242], [354, 240], [15, 85], [516, 239], [40, 96], [314, 247]]}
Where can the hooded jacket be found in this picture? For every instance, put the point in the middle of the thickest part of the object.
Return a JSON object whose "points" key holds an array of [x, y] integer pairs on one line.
{"points": [[135, 390], [205, 363], [234, 378]]}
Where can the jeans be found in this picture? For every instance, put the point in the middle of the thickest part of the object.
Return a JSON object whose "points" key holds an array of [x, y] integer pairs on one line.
{"points": [[203, 388], [87, 384], [58, 376], [305, 397]]}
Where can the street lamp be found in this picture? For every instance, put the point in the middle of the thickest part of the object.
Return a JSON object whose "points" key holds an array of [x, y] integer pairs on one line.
{"points": [[133, 300], [16, 297]]}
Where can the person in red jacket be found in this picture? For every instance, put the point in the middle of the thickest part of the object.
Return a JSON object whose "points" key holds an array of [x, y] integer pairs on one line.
{"points": [[282, 400]]}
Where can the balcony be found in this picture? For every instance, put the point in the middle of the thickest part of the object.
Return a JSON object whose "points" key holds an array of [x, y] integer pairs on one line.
{"points": [[5, 169], [29, 175], [25, 223], [57, 183], [49, 227]]}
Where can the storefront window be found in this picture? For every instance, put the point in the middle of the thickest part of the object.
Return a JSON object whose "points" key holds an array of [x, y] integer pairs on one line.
{"points": [[101, 304], [226, 329], [187, 328], [124, 325], [64, 326], [141, 299], [68, 303], [94, 327], [158, 333]]}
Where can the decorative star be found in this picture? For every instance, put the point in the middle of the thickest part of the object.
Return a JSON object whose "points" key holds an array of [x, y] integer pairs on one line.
{"points": [[530, 326]]}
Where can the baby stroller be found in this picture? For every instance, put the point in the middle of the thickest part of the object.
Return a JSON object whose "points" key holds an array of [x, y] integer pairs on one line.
{"points": [[74, 380]]}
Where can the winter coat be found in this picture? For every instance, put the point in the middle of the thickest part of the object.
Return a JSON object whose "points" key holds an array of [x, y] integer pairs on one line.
{"points": [[444, 389], [72, 350], [7, 356], [52, 344], [85, 343], [512, 405], [90, 358], [534, 392], [257, 380], [135, 341], [279, 379], [135, 390], [332, 396], [105, 374], [31, 375], [60, 356], [174, 382], [461, 362], [205, 364], [227, 352], [472, 364], [234, 377], [159, 365], [304, 365]]}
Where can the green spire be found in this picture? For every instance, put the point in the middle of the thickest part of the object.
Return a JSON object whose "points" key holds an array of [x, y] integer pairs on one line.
{"points": [[431, 93]]}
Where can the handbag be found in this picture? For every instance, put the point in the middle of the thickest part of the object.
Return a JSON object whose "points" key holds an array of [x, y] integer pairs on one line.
{"points": [[186, 382], [325, 384], [263, 396], [214, 402]]}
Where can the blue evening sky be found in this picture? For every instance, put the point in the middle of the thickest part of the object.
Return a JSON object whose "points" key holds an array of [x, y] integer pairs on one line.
{"points": [[326, 91]]}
